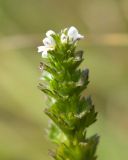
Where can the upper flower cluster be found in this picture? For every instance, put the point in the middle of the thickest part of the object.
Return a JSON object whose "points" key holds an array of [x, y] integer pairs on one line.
{"points": [[70, 36]]}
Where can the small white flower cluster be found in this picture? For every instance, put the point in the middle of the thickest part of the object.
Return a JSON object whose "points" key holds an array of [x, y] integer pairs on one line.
{"points": [[49, 44], [70, 35]]}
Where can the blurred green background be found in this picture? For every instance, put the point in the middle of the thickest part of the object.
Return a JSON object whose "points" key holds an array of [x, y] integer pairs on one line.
{"points": [[23, 24]]}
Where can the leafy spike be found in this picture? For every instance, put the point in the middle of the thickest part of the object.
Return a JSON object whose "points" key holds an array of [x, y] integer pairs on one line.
{"points": [[63, 81]]}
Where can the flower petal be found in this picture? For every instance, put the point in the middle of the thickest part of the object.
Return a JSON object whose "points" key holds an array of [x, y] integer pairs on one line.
{"points": [[72, 33], [79, 36], [44, 54], [49, 42], [41, 48], [50, 33]]}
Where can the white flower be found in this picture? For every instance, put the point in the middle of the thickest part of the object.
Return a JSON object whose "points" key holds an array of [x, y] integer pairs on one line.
{"points": [[70, 35], [64, 38], [49, 44], [73, 34], [43, 50], [50, 33]]}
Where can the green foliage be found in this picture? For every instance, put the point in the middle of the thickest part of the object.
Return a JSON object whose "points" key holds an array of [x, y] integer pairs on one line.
{"points": [[63, 82]]}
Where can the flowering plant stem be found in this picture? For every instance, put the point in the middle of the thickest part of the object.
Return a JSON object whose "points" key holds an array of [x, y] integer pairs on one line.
{"points": [[63, 82]]}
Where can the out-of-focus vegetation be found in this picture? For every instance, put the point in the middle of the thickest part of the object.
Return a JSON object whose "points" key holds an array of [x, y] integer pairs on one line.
{"points": [[22, 24]]}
